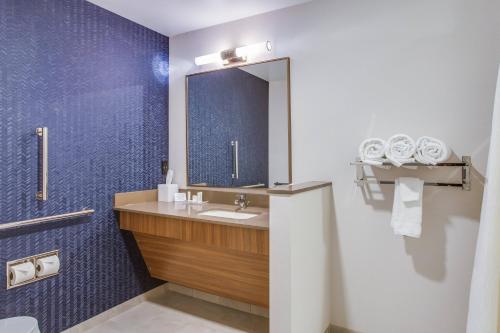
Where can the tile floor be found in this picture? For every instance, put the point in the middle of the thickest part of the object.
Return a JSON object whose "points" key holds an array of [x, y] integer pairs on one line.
{"points": [[176, 313]]}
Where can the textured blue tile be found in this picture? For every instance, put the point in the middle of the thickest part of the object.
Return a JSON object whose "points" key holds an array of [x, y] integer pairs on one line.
{"points": [[224, 106], [100, 84]]}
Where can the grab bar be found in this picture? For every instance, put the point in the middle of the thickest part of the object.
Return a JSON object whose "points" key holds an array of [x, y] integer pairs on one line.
{"points": [[43, 135], [254, 186], [234, 145], [52, 218]]}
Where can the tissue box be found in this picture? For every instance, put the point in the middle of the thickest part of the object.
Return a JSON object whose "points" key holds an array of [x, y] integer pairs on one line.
{"points": [[166, 192]]}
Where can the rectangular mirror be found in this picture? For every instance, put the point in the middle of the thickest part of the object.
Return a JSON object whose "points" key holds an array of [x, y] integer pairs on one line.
{"points": [[238, 126]]}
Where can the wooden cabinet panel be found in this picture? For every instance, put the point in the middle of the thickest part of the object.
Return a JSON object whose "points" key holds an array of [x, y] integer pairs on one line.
{"points": [[228, 273], [218, 235], [225, 260]]}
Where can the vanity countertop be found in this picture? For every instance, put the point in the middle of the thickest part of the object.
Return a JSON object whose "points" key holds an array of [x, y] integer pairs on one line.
{"points": [[191, 212]]}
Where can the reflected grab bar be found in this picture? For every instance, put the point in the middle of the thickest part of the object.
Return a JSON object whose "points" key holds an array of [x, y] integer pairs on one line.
{"points": [[234, 145], [52, 218], [43, 135]]}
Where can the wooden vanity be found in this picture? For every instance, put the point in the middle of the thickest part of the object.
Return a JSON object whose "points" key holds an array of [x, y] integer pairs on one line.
{"points": [[225, 257]]}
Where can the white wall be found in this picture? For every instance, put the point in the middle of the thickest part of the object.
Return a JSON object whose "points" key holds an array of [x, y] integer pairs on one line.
{"points": [[362, 68], [300, 261], [278, 132]]}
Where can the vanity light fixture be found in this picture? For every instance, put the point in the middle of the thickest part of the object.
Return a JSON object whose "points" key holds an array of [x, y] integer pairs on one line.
{"points": [[208, 59], [231, 56]]}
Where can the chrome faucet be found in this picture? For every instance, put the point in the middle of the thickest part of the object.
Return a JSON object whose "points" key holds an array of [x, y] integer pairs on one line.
{"points": [[241, 201]]}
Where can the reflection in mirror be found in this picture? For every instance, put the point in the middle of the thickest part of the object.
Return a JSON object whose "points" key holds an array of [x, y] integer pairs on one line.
{"points": [[238, 126]]}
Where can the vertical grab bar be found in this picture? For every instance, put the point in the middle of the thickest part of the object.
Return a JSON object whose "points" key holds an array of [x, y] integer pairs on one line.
{"points": [[43, 144], [234, 145]]}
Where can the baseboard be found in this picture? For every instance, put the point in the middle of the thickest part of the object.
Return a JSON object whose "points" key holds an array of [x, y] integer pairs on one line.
{"points": [[103, 316], [338, 329], [229, 303]]}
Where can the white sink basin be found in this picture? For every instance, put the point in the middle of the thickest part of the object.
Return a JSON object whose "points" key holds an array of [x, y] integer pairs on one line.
{"points": [[228, 214]]}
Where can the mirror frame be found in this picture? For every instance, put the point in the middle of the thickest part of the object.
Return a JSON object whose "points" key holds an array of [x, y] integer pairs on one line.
{"points": [[186, 91]]}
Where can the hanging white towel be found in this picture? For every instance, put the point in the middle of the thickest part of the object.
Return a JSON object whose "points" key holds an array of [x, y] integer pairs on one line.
{"points": [[484, 302], [400, 149], [431, 151], [372, 151], [407, 209]]}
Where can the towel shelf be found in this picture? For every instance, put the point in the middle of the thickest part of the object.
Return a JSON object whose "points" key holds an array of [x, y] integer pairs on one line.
{"points": [[53, 218], [362, 179]]}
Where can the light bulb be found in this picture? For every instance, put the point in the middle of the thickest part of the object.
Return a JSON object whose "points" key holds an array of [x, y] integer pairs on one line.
{"points": [[254, 49], [227, 56], [208, 59]]}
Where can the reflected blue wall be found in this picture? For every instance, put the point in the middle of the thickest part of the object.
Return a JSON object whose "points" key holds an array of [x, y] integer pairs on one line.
{"points": [[100, 84], [224, 106]]}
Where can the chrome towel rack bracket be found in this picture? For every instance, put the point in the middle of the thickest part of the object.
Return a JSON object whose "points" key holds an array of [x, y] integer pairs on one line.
{"points": [[466, 164]]}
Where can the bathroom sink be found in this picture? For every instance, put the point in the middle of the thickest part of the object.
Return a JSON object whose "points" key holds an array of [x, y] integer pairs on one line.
{"points": [[228, 214]]}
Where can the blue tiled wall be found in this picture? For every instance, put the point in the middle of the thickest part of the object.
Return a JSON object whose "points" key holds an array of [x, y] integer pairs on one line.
{"points": [[100, 84], [223, 106]]}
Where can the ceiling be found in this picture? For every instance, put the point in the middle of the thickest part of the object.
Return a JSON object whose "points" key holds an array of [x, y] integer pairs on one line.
{"points": [[173, 17]]}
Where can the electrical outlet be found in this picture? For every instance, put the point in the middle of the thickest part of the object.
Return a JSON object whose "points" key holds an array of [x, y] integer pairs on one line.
{"points": [[164, 167]]}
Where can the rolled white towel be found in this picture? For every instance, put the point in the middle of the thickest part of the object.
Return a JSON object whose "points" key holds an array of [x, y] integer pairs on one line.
{"points": [[372, 151], [400, 149], [431, 151]]}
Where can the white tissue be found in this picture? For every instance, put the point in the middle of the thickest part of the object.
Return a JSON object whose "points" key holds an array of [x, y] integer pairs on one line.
{"points": [[47, 266], [170, 177], [21, 273]]}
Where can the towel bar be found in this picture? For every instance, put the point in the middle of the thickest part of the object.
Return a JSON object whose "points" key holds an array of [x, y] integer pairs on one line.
{"points": [[53, 218], [362, 179]]}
